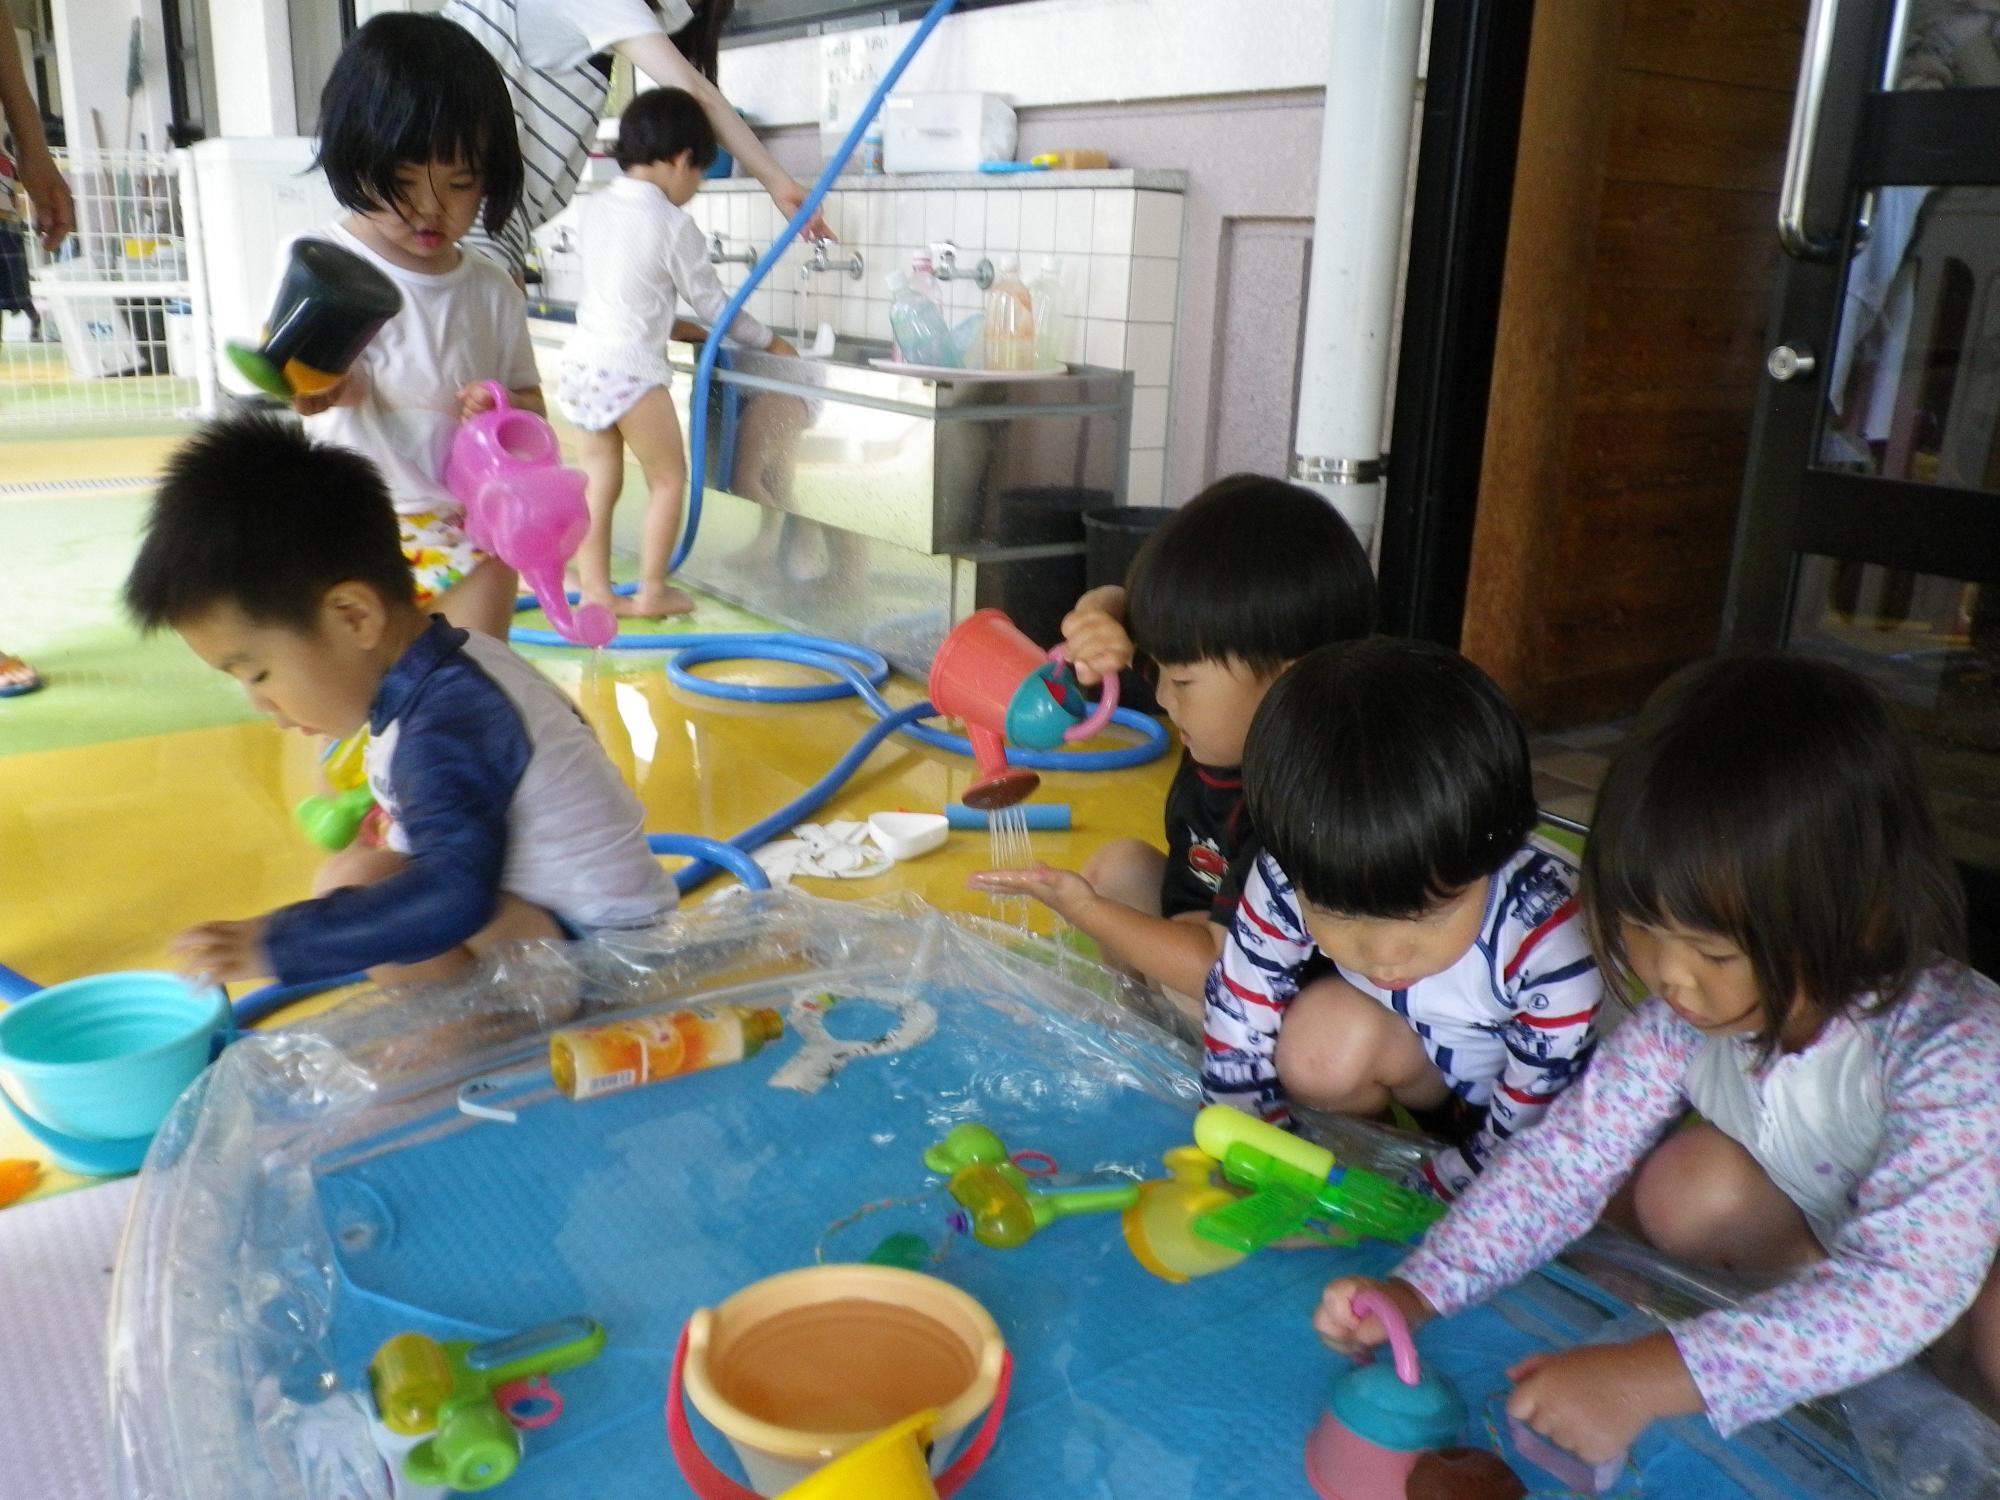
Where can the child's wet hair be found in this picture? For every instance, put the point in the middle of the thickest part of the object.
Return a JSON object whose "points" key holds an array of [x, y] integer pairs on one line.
{"points": [[659, 125], [1253, 569], [1386, 775], [1775, 801], [254, 513], [417, 89]]}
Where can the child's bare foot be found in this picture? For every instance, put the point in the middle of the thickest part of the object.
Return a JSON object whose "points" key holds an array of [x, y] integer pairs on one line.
{"points": [[655, 601]]}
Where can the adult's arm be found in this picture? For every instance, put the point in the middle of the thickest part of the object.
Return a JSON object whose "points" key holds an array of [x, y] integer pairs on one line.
{"points": [[660, 60], [55, 215]]}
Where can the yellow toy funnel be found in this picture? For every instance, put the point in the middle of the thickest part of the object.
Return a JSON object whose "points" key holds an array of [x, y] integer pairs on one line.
{"points": [[892, 1465]]}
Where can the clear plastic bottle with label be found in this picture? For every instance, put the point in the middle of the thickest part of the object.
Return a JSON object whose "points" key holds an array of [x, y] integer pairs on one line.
{"points": [[1010, 320], [1045, 295]]}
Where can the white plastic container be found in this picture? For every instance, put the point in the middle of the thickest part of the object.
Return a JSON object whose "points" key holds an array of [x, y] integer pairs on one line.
{"points": [[945, 132]]}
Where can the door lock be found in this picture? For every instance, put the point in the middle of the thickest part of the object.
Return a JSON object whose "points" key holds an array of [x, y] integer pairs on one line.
{"points": [[1788, 363]]}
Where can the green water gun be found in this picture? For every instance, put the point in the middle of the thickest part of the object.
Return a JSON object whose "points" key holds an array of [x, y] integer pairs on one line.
{"points": [[1008, 1206], [472, 1399], [1291, 1183]]}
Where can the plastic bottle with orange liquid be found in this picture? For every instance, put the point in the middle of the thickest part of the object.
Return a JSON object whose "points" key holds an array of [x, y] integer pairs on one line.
{"points": [[591, 1060]]}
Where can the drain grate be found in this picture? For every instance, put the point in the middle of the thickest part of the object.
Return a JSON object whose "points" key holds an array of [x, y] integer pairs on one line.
{"points": [[73, 486]]}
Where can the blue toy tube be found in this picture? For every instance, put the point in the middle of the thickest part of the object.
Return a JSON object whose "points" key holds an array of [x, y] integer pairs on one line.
{"points": [[704, 373], [15, 986], [1041, 817]]}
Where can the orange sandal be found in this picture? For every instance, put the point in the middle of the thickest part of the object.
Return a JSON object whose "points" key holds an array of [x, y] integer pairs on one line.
{"points": [[17, 677]]}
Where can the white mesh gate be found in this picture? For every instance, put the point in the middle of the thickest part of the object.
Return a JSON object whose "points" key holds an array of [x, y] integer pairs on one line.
{"points": [[123, 305]]}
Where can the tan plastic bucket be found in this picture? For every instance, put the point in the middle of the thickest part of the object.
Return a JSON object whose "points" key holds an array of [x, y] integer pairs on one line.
{"points": [[801, 1367]]}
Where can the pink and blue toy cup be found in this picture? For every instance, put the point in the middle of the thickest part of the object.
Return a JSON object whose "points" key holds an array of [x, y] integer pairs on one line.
{"points": [[1381, 1418]]}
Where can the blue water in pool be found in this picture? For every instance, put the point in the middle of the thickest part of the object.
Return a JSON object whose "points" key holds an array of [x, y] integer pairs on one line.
{"points": [[640, 1207]]}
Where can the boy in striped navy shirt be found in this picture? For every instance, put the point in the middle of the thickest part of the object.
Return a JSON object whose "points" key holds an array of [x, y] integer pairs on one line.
{"points": [[1390, 783]]}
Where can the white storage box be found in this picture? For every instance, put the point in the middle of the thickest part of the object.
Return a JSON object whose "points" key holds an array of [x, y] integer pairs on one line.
{"points": [[945, 132]]}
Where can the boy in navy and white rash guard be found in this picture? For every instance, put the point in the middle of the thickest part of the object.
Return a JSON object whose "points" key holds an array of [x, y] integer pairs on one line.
{"points": [[506, 819], [1463, 985]]}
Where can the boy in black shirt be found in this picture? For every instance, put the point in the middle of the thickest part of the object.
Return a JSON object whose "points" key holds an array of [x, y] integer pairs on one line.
{"points": [[1246, 578]]}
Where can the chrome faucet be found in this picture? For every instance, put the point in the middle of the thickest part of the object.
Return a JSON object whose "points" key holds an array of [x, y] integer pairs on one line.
{"points": [[822, 260], [717, 256], [944, 265]]}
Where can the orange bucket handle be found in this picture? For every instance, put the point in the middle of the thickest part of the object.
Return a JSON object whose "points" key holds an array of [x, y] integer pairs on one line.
{"points": [[710, 1483]]}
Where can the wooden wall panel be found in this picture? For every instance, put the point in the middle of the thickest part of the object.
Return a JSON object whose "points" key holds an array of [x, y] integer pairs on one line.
{"points": [[1600, 566], [1724, 41], [1692, 133]]}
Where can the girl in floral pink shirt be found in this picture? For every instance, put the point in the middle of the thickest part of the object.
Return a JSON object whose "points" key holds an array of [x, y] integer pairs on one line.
{"points": [[1764, 862]]}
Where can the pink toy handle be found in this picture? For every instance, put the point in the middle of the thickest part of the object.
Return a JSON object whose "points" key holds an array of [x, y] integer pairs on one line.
{"points": [[500, 400], [1107, 699], [710, 1483], [1400, 1343]]}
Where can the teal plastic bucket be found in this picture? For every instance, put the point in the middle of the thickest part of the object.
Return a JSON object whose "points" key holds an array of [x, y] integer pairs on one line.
{"points": [[104, 1058]]}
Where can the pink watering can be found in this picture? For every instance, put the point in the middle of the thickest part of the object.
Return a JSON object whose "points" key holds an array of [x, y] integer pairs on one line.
{"points": [[525, 508]]}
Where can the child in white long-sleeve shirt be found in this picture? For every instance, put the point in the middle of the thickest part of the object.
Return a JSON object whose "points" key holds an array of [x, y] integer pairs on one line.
{"points": [[642, 254], [1764, 861]]}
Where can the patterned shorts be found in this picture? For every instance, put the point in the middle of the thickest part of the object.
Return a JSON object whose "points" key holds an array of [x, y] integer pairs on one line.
{"points": [[593, 399], [439, 554]]}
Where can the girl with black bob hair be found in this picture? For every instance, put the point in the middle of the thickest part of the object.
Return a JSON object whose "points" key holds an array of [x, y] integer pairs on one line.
{"points": [[412, 88], [416, 134], [1763, 863]]}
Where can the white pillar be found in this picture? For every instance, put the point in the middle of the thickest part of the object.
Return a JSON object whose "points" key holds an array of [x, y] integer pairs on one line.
{"points": [[252, 42], [1364, 165]]}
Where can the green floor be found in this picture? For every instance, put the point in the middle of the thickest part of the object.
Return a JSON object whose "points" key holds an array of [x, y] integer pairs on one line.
{"points": [[59, 608]]}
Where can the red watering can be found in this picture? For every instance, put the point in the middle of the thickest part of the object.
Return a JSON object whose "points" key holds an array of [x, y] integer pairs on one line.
{"points": [[1007, 689]]}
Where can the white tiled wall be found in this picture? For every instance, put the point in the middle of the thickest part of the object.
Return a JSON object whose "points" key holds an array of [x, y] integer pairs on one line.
{"points": [[1120, 253]]}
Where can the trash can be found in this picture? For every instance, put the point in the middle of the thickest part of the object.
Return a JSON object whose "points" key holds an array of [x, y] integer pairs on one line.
{"points": [[1112, 538]]}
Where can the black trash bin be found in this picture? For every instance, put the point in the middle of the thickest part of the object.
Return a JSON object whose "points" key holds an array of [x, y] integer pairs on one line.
{"points": [[1112, 538]]}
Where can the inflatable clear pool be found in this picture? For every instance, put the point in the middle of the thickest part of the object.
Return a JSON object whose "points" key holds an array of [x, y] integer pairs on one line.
{"points": [[407, 1166]]}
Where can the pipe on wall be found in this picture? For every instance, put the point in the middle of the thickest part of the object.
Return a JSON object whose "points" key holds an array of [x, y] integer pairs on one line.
{"points": [[1364, 167]]}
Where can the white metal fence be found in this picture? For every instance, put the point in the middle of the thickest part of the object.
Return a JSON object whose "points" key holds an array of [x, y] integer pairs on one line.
{"points": [[123, 308]]}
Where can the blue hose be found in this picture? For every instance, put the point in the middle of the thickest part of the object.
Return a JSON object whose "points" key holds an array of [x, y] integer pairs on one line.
{"points": [[704, 373], [260, 1005], [859, 672], [710, 852]]}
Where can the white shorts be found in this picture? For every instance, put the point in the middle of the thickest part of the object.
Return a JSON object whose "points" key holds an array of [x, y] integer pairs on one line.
{"points": [[594, 399]]}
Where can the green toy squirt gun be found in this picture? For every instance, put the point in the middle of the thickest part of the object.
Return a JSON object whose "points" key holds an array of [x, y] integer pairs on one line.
{"points": [[469, 1402], [1291, 1182]]}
